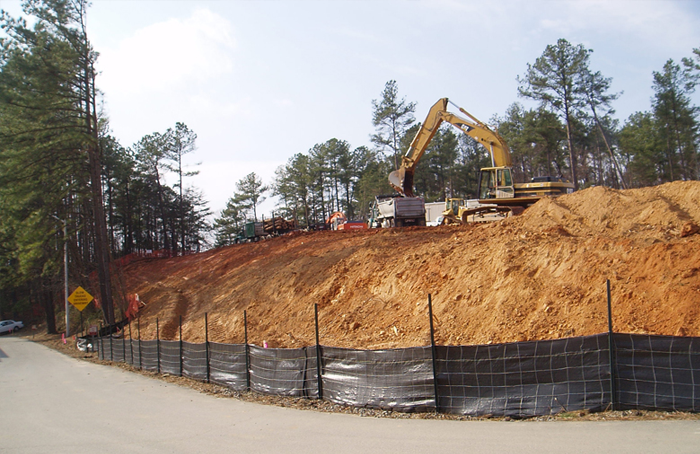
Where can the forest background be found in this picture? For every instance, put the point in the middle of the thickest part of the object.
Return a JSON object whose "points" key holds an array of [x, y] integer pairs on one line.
{"points": [[65, 179]]}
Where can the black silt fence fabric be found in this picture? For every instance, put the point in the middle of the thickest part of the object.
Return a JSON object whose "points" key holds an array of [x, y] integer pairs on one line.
{"points": [[109, 348], [278, 371], [397, 379], [311, 373], [227, 365], [657, 372], [170, 357], [149, 355], [126, 350], [525, 378], [119, 349], [517, 379], [137, 353], [194, 360], [113, 349]]}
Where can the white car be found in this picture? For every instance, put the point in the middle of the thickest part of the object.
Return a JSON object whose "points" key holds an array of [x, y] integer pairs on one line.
{"points": [[10, 326]]}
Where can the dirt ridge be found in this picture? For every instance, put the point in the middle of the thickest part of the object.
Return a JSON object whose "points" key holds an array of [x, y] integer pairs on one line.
{"points": [[540, 275]]}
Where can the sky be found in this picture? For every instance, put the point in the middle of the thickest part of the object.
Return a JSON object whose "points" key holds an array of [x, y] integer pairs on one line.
{"points": [[259, 81]]}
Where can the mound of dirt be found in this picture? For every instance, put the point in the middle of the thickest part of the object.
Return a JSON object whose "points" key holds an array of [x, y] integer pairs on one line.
{"points": [[540, 275]]}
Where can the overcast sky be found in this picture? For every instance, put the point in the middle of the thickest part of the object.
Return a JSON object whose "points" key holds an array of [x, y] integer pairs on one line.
{"points": [[259, 81]]}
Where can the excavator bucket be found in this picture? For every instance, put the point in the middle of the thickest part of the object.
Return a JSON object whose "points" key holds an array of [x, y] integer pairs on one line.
{"points": [[402, 181]]}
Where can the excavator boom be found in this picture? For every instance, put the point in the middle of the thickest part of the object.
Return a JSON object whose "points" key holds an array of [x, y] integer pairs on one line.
{"points": [[402, 179]]}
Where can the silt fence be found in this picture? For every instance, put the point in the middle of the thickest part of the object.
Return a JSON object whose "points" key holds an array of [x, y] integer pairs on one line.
{"points": [[519, 379]]}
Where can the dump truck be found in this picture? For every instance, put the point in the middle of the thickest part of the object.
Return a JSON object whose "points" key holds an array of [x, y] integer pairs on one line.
{"points": [[397, 211]]}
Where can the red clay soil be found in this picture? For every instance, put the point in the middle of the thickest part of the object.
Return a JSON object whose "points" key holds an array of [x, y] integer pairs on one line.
{"points": [[540, 275]]}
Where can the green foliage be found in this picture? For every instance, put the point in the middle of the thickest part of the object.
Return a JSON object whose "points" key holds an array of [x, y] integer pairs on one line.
{"points": [[557, 79], [535, 138], [332, 177], [677, 119], [293, 186], [43, 139], [435, 174], [391, 117], [55, 158], [662, 145], [229, 223], [642, 143], [144, 213], [250, 193]]}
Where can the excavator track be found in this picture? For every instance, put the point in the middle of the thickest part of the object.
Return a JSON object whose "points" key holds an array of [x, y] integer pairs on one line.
{"points": [[480, 214]]}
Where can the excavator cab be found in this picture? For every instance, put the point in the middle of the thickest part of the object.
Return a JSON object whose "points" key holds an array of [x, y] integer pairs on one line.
{"points": [[496, 183]]}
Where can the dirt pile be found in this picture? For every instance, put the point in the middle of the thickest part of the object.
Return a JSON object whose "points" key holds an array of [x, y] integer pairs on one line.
{"points": [[540, 275]]}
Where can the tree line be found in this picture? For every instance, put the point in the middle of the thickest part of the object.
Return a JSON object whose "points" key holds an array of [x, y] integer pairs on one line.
{"points": [[60, 167], [571, 134]]}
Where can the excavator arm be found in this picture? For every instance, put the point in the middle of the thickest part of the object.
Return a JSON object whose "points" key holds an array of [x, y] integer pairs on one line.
{"points": [[402, 179]]}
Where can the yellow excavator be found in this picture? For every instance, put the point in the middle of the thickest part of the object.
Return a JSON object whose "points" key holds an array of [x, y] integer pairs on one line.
{"points": [[496, 187]]}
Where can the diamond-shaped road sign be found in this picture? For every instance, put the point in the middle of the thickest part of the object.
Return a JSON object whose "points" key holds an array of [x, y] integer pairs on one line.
{"points": [[80, 298]]}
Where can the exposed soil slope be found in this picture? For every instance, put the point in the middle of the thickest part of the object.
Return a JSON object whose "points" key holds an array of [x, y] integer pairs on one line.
{"points": [[540, 275]]}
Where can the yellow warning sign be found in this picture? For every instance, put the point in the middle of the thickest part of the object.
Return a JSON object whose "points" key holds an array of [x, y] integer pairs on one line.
{"points": [[80, 298]]}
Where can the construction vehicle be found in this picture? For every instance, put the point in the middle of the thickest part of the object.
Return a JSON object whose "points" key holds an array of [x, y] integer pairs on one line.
{"points": [[433, 213], [353, 225], [338, 221], [462, 211], [397, 211], [496, 186], [268, 228], [335, 220]]}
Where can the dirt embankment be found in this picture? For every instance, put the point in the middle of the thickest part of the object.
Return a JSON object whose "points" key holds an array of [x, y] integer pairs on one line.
{"points": [[540, 275]]}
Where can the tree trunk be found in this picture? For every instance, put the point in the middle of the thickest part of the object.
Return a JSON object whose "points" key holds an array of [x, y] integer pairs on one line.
{"points": [[101, 235], [572, 155], [46, 298]]}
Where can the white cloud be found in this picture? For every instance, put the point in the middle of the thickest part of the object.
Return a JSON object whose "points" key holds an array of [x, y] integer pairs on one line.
{"points": [[168, 55], [659, 24]]}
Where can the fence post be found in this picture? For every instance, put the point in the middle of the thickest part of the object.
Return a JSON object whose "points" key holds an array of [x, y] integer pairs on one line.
{"points": [[611, 351], [318, 356], [181, 346], [206, 344], [131, 344], [157, 345], [138, 326], [101, 354], [111, 344], [123, 344], [433, 352], [247, 350]]}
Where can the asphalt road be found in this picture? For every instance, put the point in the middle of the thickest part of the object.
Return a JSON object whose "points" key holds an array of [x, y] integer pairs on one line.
{"points": [[50, 403]]}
